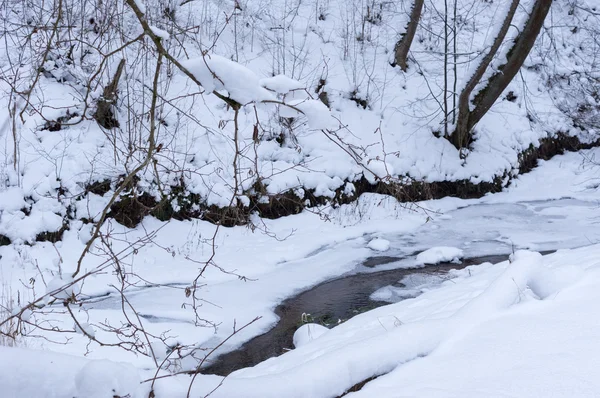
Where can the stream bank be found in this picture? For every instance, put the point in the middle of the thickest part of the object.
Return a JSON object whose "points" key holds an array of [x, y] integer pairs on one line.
{"points": [[328, 303]]}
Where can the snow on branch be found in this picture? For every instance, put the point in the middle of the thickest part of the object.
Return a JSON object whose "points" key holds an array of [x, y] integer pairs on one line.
{"points": [[215, 72]]}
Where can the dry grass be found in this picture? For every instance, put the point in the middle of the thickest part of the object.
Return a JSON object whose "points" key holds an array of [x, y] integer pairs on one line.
{"points": [[9, 334]]}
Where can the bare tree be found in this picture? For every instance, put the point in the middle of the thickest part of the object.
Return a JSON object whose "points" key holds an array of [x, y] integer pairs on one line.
{"points": [[485, 98], [462, 126], [403, 45], [575, 87]]}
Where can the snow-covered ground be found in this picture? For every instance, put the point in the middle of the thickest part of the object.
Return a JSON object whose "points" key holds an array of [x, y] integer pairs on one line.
{"points": [[337, 47], [521, 328], [178, 289]]}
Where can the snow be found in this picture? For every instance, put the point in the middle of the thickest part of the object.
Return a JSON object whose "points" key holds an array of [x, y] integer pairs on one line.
{"points": [[489, 314], [440, 254], [219, 73], [275, 58], [106, 379], [11, 199], [85, 329], [380, 245], [281, 84], [316, 112], [62, 287], [26, 315], [502, 315], [46, 374], [141, 6], [307, 333], [516, 350], [258, 61], [163, 34], [412, 285]]}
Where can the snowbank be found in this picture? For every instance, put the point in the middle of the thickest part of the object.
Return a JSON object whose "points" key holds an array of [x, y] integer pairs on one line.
{"points": [[505, 318], [379, 244], [376, 112], [45, 374], [439, 254], [307, 333]]}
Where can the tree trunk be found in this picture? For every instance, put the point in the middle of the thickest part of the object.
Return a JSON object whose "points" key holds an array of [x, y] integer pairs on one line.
{"points": [[403, 45], [104, 111], [514, 60], [460, 137]]}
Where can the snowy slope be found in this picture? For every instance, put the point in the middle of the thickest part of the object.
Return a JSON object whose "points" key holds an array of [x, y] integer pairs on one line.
{"points": [[524, 328], [338, 47], [44, 374], [459, 311], [59, 170]]}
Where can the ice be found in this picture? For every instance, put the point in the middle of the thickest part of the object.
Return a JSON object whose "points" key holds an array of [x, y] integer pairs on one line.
{"points": [[392, 294], [412, 286]]}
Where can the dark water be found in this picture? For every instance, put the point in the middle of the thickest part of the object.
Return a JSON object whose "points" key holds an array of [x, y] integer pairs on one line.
{"points": [[336, 299]]}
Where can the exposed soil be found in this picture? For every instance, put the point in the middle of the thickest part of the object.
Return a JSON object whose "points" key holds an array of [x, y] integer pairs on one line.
{"points": [[130, 211]]}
